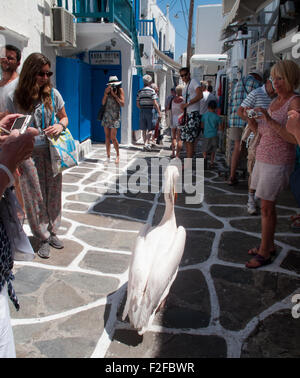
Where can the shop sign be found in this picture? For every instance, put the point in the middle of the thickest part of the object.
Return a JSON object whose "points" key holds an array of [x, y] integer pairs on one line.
{"points": [[105, 58]]}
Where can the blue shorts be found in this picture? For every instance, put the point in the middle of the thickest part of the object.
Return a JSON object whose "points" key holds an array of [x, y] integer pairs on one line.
{"points": [[146, 119]]}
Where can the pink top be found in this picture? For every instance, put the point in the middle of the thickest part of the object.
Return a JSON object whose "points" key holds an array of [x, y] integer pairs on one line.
{"points": [[272, 149]]}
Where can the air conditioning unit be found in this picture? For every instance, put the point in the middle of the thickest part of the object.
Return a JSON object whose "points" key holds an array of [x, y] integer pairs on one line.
{"points": [[63, 31]]}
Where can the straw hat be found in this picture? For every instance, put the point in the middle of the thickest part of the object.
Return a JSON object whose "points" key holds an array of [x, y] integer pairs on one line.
{"points": [[114, 80]]}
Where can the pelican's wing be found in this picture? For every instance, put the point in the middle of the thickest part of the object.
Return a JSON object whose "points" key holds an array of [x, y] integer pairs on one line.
{"points": [[161, 277], [138, 274]]}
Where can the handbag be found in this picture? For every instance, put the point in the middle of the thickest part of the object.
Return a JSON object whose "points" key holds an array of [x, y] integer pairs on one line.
{"points": [[63, 151], [20, 245], [101, 112]]}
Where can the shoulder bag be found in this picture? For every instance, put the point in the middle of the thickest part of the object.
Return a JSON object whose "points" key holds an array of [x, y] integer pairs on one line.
{"points": [[62, 147]]}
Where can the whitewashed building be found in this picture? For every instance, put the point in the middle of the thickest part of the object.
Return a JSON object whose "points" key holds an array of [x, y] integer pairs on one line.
{"points": [[207, 59], [157, 44], [86, 42]]}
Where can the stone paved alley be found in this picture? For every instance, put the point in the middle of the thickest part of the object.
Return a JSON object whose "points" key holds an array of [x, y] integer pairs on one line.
{"points": [[71, 304]]}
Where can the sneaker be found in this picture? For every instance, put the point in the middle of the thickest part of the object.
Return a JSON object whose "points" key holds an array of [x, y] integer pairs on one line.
{"points": [[251, 208], [44, 251], [55, 242], [147, 147]]}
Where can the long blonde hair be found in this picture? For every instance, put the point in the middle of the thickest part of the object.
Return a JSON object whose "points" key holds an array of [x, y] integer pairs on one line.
{"points": [[28, 91]]}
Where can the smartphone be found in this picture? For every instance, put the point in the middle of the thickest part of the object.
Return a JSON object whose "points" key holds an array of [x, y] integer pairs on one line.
{"points": [[21, 123]]}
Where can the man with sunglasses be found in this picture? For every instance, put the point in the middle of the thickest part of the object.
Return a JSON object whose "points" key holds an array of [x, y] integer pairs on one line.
{"points": [[10, 77], [9, 81], [192, 94]]}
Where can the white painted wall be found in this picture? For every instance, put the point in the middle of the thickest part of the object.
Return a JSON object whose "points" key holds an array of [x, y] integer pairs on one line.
{"points": [[150, 10], [208, 28], [26, 23]]}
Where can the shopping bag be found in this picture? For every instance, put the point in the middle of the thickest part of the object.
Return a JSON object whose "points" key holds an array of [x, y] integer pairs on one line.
{"points": [[63, 152]]}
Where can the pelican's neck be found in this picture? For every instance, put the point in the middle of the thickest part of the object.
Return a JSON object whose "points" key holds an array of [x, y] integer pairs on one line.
{"points": [[169, 214]]}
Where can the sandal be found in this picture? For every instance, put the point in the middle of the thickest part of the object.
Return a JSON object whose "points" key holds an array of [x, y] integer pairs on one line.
{"points": [[254, 251], [232, 181], [260, 260]]}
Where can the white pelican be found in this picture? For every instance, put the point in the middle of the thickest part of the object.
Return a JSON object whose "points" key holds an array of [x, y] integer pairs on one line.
{"points": [[155, 260]]}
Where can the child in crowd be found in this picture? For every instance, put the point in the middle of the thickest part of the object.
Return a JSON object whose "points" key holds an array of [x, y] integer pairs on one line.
{"points": [[210, 123], [175, 128]]}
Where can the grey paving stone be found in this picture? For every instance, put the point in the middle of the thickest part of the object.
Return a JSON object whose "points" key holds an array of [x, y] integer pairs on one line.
{"points": [[95, 177], [197, 247], [253, 224], [53, 292], [80, 170], [124, 206], [128, 344], [69, 337], [293, 241], [268, 340], [104, 221], [62, 257], [292, 261], [245, 293], [229, 211], [103, 190], [225, 199], [183, 309], [107, 239], [75, 206], [189, 218], [70, 188], [234, 246], [114, 263], [72, 178], [83, 197]]}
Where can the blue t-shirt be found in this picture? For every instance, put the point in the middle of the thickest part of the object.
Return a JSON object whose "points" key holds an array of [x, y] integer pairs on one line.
{"points": [[211, 122]]}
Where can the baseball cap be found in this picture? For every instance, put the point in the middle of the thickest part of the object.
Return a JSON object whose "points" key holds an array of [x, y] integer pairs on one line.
{"points": [[147, 79]]}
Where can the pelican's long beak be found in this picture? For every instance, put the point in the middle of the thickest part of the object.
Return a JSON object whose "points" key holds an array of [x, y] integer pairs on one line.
{"points": [[175, 196]]}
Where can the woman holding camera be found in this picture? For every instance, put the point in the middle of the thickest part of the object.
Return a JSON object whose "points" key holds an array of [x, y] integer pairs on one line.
{"points": [[113, 99], [41, 190], [275, 155]]}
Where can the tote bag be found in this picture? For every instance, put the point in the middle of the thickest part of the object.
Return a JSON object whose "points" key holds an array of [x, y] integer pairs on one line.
{"points": [[63, 151]]}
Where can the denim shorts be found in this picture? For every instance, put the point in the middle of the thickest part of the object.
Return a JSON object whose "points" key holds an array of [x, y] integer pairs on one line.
{"points": [[146, 119]]}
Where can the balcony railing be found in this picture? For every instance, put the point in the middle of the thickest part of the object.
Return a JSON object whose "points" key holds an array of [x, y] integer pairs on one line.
{"points": [[148, 28], [114, 11], [120, 12]]}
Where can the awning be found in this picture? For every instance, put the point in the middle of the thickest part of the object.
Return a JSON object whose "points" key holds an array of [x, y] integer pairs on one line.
{"points": [[242, 9], [167, 60], [209, 58]]}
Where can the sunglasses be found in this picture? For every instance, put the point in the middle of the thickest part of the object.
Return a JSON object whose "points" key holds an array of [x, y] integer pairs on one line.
{"points": [[48, 73]]}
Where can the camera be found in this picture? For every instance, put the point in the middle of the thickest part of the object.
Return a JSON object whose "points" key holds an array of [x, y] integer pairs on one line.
{"points": [[21, 123], [251, 113]]}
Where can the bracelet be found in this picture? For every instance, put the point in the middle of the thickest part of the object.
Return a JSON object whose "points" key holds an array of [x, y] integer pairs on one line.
{"points": [[9, 174], [61, 124]]}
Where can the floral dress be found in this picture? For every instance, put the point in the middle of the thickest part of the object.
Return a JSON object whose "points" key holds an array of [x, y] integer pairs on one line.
{"points": [[112, 114]]}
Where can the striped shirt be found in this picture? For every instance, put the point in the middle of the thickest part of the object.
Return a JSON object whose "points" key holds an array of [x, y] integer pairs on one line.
{"points": [[258, 98], [241, 90], [146, 97]]}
